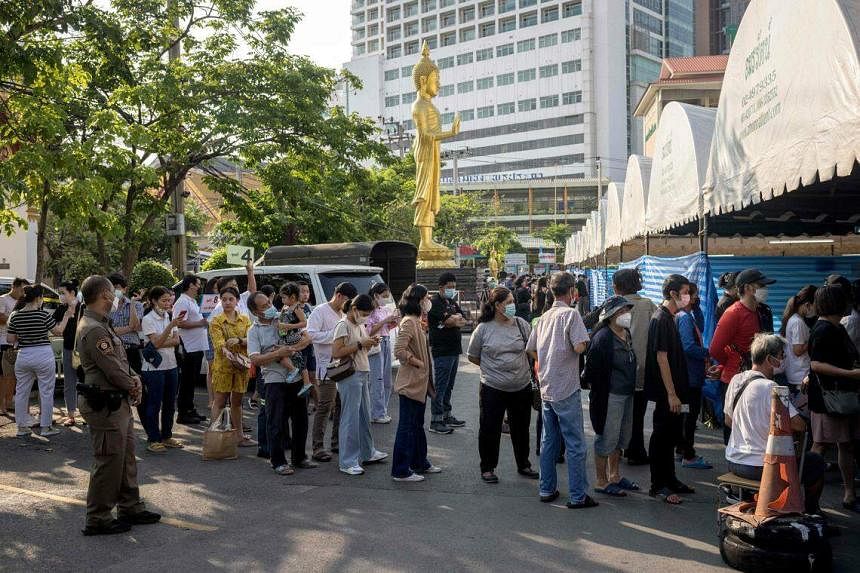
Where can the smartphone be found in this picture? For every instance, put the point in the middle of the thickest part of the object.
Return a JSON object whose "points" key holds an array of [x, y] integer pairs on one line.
{"points": [[685, 408], [183, 314]]}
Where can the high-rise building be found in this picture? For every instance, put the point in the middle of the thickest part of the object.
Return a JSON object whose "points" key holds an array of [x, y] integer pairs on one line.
{"points": [[716, 25]]}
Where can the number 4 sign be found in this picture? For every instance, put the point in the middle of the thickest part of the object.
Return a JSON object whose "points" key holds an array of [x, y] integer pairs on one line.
{"points": [[239, 255]]}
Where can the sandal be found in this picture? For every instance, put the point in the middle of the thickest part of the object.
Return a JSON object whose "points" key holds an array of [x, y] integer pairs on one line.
{"points": [[625, 483], [489, 477], [69, 422], [612, 489], [667, 495]]}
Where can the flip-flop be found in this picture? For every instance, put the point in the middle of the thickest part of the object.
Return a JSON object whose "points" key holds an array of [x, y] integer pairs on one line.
{"points": [[625, 483], [666, 494], [612, 489]]}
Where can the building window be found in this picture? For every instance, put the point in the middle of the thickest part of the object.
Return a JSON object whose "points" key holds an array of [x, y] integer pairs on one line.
{"points": [[467, 34], [506, 108], [486, 9], [485, 83], [549, 71], [549, 14], [358, 50], [428, 5], [568, 98], [526, 75], [406, 72], [446, 90], [432, 43], [446, 117], [571, 35], [448, 38], [444, 63], [645, 21], [505, 79], [507, 24], [373, 29], [410, 28], [548, 40], [467, 14], [527, 104], [653, 5], [447, 19], [410, 9], [569, 9], [484, 112], [486, 29], [507, 6], [392, 101], [571, 66], [428, 24], [410, 48], [373, 14], [394, 52], [358, 35], [484, 54], [446, 3], [525, 45], [527, 3], [465, 87], [528, 20], [504, 50], [392, 74], [548, 101], [467, 58], [373, 45], [467, 115], [408, 97], [393, 34]]}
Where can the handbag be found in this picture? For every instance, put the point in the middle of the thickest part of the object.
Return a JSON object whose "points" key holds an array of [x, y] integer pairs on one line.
{"points": [[220, 440], [537, 401], [341, 370], [841, 402], [237, 360], [152, 355]]}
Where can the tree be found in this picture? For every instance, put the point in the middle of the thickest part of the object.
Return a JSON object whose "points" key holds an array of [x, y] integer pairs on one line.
{"points": [[496, 241], [452, 222], [147, 274], [218, 260], [557, 234]]}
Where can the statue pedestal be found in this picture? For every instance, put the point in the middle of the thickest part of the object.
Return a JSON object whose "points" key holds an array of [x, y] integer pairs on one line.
{"points": [[439, 258]]}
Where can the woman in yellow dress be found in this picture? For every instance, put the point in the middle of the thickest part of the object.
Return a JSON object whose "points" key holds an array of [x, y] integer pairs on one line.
{"points": [[229, 332]]}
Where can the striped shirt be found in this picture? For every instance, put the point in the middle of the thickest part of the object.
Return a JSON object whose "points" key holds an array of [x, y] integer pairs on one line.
{"points": [[33, 327]]}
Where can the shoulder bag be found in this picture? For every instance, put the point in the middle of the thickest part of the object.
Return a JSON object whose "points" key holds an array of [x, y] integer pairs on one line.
{"points": [[537, 401], [342, 369], [238, 360], [841, 402]]}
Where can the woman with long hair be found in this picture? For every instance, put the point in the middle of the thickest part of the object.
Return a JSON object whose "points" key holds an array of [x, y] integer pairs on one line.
{"points": [[498, 347], [381, 321], [540, 297], [30, 328], [414, 384], [69, 303], [794, 328], [355, 440]]}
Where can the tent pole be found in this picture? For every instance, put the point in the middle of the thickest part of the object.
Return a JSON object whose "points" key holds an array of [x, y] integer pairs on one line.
{"points": [[705, 234], [647, 245], [621, 253]]}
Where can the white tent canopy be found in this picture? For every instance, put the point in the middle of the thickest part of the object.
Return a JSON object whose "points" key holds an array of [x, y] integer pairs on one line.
{"points": [[635, 198], [790, 103], [614, 201], [681, 150]]}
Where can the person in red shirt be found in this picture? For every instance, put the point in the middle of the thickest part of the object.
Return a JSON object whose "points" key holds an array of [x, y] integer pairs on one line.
{"points": [[730, 345]]}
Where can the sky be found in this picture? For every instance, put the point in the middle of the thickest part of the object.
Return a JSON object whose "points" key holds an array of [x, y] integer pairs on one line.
{"points": [[324, 32]]}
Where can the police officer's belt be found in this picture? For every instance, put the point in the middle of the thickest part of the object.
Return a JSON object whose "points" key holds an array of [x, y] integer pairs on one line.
{"points": [[98, 398]]}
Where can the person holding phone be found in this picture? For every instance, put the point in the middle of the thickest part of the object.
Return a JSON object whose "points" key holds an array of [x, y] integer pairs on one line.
{"points": [[381, 321]]}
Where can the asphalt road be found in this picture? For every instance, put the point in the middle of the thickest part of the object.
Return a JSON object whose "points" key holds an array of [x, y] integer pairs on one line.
{"points": [[241, 516]]}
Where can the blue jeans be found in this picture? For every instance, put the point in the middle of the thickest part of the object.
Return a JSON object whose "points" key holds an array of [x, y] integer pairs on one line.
{"points": [[562, 423], [410, 445], [445, 371], [161, 388], [380, 380], [355, 442]]}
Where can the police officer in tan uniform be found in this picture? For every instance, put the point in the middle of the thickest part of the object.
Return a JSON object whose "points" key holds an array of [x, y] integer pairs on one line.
{"points": [[107, 397]]}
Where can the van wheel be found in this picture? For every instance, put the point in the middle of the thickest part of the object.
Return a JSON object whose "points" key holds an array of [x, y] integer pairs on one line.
{"points": [[744, 556]]}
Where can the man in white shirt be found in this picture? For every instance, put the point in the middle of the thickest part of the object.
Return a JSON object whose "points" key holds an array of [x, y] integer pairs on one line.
{"points": [[747, 410], [225, 282], [195, 342], [7, 370], [320, 328]]}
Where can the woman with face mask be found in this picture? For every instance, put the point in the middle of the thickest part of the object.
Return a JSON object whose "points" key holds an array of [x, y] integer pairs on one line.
{"points": [[798, 310], [610, 372], [355, 441], [498, 347], [380, 322], [69, 304]]}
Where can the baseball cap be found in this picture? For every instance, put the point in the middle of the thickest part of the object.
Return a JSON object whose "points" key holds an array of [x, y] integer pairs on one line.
{"points": [[750, 276]]}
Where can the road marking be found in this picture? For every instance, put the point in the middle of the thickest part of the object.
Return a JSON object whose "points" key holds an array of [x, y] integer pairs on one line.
{"points": [[180, 523]]}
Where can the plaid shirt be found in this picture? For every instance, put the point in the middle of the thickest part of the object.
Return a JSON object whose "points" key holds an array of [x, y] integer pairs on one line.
{"points": [[122, 317]]}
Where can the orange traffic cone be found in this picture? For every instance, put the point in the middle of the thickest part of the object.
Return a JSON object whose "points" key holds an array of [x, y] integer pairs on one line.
{"points": [[780, 491]]}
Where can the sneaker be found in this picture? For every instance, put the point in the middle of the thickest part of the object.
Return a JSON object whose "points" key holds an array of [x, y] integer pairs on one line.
{"points": [[305, 389], [156, 448], [432, 470], [295, 373], [353, 471], [23, 432], [697, 463], [377, 457], [412, 477], [454, 422], [49, 431], [382, 420], [112, 528], [141, 518], [173, 443], [440, 428], [284, 470]]}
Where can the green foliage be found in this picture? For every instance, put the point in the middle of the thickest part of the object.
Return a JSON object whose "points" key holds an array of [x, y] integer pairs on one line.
{"points": [[496, 241], [452, 222], [149, 273], [557, 234], [218, 260]]}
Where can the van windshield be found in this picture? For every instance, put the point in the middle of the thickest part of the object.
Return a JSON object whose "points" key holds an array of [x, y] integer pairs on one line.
{"points": [[361, 281]]}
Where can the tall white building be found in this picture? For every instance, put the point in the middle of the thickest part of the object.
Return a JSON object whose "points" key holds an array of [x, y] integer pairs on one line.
{"points": [[543, 87]]}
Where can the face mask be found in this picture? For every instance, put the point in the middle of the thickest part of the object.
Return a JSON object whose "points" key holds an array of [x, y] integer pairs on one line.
{"points": [[426, 305], [685, 301], [270, 313], [117, 293], [510, 310], [360, 319], [114, 305], [780, 368], [624, 320], [450, 293], [761, 295]]}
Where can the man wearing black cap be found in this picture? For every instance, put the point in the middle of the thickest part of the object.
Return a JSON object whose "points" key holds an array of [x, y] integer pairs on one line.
{"points": [[730, 345], [730, 293]]}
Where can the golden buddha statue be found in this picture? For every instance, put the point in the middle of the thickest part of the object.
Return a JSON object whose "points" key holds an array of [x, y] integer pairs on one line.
{"points": [[425, 116]]}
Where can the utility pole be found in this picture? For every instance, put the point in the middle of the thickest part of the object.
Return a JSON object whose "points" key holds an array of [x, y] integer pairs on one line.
{"points": [[454, 155], [178, 246], [599, 197], [395, 132]]}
